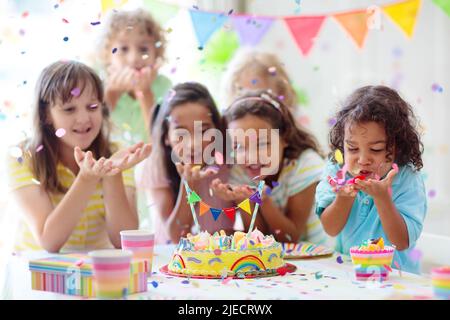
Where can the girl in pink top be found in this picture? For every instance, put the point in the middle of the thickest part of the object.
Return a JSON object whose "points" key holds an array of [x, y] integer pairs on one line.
{"points": [[187, 110]]}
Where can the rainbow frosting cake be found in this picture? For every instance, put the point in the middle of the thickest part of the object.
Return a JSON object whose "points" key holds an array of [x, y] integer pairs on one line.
{"points": [[219, 255], [372, 259], [440, 279]]}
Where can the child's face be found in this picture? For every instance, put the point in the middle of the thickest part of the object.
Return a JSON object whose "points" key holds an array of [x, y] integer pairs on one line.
{"points": [[135, 49], [250, 80], [365, 149], [188, 122], [81, 118], [258, 148]]}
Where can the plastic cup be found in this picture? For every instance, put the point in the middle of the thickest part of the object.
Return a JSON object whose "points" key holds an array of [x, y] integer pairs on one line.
{"points": [[370, 265], [140, 242], [111, 272], [440, 280]]}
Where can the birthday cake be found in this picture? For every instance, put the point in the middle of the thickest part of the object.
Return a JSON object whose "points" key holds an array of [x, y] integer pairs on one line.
{"points": [[219, 255], [372, 259]]}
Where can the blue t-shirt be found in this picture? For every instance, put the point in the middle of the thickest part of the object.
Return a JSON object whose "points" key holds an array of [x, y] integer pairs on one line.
{"points": [[408, 195]]}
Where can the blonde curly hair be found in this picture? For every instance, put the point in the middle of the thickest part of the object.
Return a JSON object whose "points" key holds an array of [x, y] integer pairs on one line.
{"points": [[263, 64], [120, 20]]}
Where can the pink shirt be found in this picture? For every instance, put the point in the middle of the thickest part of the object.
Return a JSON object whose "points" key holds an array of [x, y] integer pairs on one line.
{"points": [[153, 177]]}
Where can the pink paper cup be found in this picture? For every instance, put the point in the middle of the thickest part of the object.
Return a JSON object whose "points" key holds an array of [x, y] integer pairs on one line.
{"points": [[140, 242], [111, 272]]}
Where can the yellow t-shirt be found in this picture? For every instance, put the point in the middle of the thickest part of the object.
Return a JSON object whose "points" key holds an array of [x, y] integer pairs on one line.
{"points": [[89, 233]]}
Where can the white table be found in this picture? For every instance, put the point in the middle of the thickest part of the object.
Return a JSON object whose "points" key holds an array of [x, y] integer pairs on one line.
{"points": [[322, 278]]}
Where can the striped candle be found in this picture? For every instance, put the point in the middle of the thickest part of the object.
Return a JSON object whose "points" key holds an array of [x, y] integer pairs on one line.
{"points": [[440, 280], [111, 272], [140, 242]]}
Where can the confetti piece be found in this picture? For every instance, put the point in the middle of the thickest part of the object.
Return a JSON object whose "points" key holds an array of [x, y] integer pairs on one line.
{"points": [[275, 184], [398, 267], [226, 280], [388, 268], [230, 12], [288, 237], [395, 167], [272, 70], [331, 122], [254, 81], [431, 193], [96, 23], [65, 20], [281, 98], [282, 271], [124, 292], [277, 231], [114, 50], [154, 284], [185, 282], [25, 14], [79, 263], [339, 260], [75, 92], [39, 148], [398, 286], [268, 191], [217, 252], [338, 156], [211, 193], [415, 254], [318, 275], [66, 39], [35, 181], [60, 132], [158, 44], [437, 88]]}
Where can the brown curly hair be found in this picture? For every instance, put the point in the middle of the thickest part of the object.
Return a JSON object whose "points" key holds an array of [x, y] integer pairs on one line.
{"points": [[384, 106], [296, 137], [120, 20]]}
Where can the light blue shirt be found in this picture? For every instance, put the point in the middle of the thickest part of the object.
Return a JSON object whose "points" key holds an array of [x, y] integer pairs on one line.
{"points": [[363, 223]]}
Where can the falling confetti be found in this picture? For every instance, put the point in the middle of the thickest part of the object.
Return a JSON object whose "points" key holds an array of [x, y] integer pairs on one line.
{"points": [[338, 156], [154, 284], [272, 70], [60, 132], [339, 260], [114, 50], [66, 39], [437, 88], [415, 254], [432, 193], [65, 20], [185, 282], [96, 23], [318, 275], [275, 184], [230, 12], [75, 92]]}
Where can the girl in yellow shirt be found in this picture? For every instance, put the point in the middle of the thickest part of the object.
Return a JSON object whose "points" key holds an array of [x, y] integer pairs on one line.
{"points": [[74, 187]]}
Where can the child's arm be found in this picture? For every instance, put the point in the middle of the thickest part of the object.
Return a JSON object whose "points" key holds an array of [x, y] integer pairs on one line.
{"points": [[393, 223], [335, 216], [290, 226], [53, 225]]}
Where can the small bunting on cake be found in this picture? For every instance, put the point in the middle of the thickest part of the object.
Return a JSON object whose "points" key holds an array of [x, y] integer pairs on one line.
{"points": [[203, 208], [215, 212], [245, 205], [255, 198], [230, 213], [194, 197]]}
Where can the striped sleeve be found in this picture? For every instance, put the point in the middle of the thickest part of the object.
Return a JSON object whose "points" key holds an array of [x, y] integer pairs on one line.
{"points": [[308, 170], [19, 173], [128, 178]]}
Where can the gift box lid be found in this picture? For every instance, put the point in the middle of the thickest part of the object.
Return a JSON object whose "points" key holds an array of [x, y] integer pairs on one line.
{"points": [[80, 262]]}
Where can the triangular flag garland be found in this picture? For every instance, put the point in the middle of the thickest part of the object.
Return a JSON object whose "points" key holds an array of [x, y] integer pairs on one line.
{"points": [[193, 197], [205, 24], [204, 208], [161, 11], [216, 213], [355, 24], [404, 15], [250, 29], [230, 213], [304, 30], [444, 5], [255, 198], [245, 206]]}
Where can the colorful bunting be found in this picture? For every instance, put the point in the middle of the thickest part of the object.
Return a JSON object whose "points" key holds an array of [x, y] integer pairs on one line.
{"points": [[215, 212], [245, 205], [355, 24], [203, 208], [205, 24], [161, 11], [111, 4], [255, 198], [404, 15], [304, 30], [444, 5], [251, 29], [230, 212], [193, 197]]}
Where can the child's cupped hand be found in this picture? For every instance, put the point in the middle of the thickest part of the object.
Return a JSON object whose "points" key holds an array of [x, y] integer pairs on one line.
{"points": [[230, 193], [93, 169], [193, 173], [129, 157], [377, 188], [121, 80]]}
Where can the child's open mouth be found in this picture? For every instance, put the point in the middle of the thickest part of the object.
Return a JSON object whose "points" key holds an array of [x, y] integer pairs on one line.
{"points": [[82, 131]]}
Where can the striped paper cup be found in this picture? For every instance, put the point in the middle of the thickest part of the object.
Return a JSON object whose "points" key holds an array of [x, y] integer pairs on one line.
{"points": [[140, 242], [111, 272], [440, 280], [372, 264]]}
